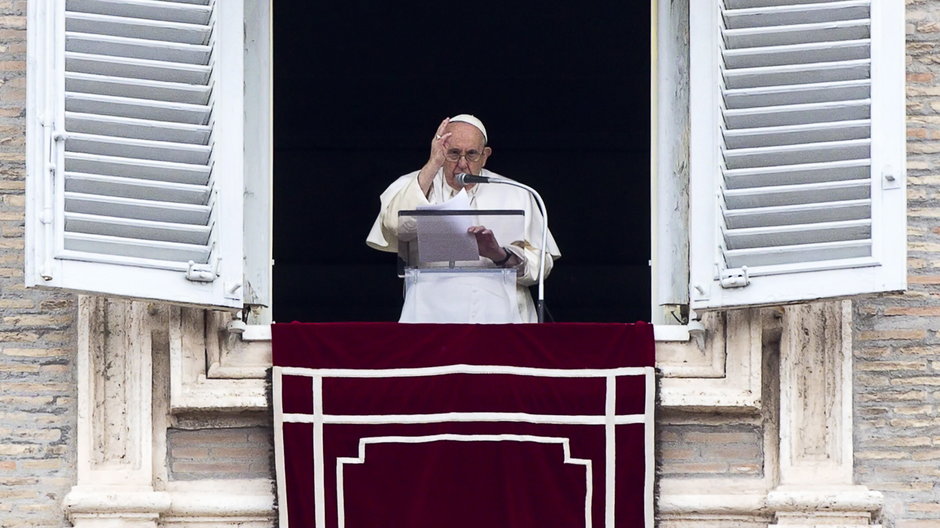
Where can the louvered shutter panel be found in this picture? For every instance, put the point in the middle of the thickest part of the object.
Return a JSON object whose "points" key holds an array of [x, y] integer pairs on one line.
{"points": [[135, 149], [797, 150]]}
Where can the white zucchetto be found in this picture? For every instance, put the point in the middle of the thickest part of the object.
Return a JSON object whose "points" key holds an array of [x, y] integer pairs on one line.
{"points": [[471, 120]]}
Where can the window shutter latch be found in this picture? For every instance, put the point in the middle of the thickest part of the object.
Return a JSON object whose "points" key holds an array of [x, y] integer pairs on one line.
{"points": [[734, 278], [202, 272], [889, 178]]}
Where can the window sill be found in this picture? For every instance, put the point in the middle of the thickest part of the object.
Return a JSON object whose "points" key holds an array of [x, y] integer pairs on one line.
{"points": [[719, 370], [662, 333]]}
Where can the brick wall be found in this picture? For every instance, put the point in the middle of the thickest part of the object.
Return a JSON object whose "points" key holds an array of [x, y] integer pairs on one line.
{"points": [[715, 451], [897, 346], [231, 453], [37, 341]]}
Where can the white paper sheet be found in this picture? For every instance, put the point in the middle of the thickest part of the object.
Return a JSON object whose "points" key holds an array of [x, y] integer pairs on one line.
{"points": [[445, 238]]}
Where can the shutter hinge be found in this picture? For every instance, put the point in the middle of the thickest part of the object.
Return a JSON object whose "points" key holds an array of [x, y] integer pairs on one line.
{"points": [[202, 272], [734, 278]]}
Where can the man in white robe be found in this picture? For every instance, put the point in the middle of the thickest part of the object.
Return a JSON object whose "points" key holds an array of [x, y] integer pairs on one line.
{"points": [[459, 146]]}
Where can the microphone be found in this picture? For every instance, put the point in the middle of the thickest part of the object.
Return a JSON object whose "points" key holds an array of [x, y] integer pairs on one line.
{"points": [[464, 179]]}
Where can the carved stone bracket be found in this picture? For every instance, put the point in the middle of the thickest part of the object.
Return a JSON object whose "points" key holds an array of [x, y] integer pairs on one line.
{"points": [[721, 371], [211, 368]]}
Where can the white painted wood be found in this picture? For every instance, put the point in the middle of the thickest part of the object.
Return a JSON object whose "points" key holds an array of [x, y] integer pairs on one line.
{"points": [[137, 48], [149, 9], [670, 183], [139, 148], [136, 188], [122, 227], [797, 93], [129, 127], [104, 104], [798, 234], [797, 53], [172, 212], [798, 33], [143, 169], [769, 196], [781, 15], [798, 134], [137, 88], [797, 118], [259, 158], [137, 28], [134, 130], [152, 70]]}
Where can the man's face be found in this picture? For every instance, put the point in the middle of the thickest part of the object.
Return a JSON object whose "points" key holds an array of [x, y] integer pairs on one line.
{"points": [[466, 142]]}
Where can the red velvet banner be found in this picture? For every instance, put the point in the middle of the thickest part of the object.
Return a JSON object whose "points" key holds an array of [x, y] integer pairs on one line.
{"points": [[386, 424]]}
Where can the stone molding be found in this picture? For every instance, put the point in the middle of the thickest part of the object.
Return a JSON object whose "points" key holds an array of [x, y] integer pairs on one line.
{"points": [[816, 451], [807, 475], [114, 393], [121, 428], [719, 371], [212, 369]]}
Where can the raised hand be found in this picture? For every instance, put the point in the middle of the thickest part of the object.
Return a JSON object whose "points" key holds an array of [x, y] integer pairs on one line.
{"points": [[436, 159]]}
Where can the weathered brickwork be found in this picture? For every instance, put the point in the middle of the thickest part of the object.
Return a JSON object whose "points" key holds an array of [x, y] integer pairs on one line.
{"points": [[37, 339], [232, 453], [716, 451], [897, 337]]}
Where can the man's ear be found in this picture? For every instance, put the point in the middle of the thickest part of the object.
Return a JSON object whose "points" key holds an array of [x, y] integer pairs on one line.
{"points": [[487, 151]]}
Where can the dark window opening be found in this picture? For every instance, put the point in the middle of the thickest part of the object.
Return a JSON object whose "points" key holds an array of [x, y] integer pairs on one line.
{"points": [[360, 87]]}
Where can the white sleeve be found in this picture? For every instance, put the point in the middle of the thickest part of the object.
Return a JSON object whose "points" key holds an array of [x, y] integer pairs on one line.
{"points": [[403, 194]]}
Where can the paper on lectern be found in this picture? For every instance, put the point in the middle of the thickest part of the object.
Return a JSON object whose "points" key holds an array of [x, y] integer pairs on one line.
{"points": [[445, 238]]}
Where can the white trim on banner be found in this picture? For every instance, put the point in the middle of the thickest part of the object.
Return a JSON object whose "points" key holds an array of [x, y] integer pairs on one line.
{"points": [[363, 442], [609, 420]]}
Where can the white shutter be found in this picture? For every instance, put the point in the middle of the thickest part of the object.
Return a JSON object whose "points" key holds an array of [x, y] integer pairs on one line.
{"points": [[797, 150], [135, 149]]}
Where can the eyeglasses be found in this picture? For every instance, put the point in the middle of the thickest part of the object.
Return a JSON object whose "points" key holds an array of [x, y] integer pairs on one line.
{"points": [[472, 156]]}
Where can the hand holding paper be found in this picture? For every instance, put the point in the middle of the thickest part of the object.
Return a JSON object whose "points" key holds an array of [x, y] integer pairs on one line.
{"points": [[447, 238]]}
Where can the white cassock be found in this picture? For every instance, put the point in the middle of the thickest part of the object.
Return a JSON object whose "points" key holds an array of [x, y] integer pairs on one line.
{"points": [[405, 194]]}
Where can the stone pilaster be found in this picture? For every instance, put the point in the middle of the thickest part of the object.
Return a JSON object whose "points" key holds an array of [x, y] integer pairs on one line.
{"points": [[816, 453], [115, 432]]}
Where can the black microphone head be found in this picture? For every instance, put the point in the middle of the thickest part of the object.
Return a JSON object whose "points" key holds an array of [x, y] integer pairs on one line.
{"points": [[467, 179]]}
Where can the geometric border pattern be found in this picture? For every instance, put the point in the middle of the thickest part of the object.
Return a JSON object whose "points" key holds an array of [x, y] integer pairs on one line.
{"points": [[564, 442], [610, 419]]}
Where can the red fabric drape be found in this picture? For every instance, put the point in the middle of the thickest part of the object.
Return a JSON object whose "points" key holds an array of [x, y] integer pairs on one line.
{"points": [[531, 447]]}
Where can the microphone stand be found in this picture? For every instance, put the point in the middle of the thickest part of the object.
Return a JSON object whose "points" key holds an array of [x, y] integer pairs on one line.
{"points": [[469, 178]]}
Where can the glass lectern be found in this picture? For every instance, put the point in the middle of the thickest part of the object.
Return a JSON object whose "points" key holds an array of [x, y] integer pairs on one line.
{"points": [[446, 279]]}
